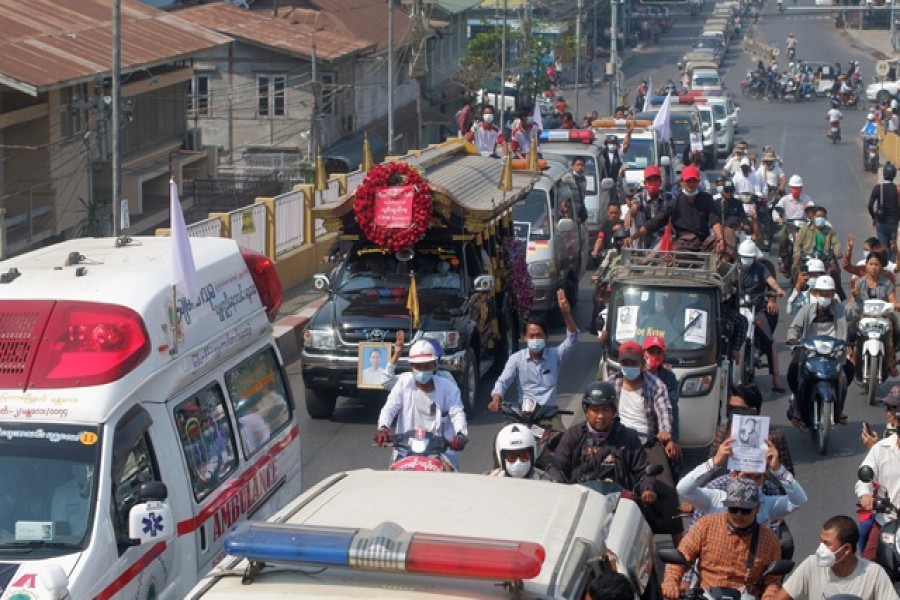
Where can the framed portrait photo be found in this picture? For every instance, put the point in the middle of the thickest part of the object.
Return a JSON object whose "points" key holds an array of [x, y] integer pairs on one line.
{"points": [[373, 358]]}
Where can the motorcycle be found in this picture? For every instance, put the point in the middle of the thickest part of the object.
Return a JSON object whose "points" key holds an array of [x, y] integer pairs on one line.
{"points": [[539, 420], [420, 450], [834, 133], [791, 227], [671, 556], [790, 92], [753, 86], [850, 100], [751, 358], [871, 154], [887, 553], [870, 345], [792, 52], [821, 391]]}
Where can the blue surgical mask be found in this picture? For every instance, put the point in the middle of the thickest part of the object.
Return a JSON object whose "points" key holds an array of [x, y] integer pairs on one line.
{"points": [[720, 188], [820, 222], [537, 344], [611, 147], [865, 256], [747, 260], [422, 377], [631, 373], [812, 282]]}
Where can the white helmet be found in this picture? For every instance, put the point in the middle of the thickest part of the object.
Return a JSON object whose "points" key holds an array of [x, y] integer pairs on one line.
{"points": [[870, 116], [515, 438], [824, 283], [748, 249], [795, 181], [422, 352], [814, 265]]}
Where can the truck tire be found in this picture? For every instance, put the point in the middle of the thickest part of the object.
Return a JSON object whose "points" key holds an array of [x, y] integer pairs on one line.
{"points": [[468, 382], [320, 404]]}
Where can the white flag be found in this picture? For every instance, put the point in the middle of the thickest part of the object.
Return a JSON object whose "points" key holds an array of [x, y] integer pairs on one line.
{"points": [[536, 117], [648, 95], [661, 121], [184, 272]]}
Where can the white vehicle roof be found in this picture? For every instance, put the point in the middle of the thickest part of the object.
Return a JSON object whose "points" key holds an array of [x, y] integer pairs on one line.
{"points": [[456, 505]]}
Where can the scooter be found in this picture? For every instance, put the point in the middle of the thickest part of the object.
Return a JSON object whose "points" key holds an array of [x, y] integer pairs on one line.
{"points": [[871, 154], [886, 553], [539, 419], [671, 556], [870, 345], [792, 52], [790, 230], [750, 357], [821, 391], [834, 132], [420, 450]]}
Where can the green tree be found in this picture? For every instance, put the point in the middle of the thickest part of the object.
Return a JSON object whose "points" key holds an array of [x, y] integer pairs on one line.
{"points": [[93, 216]]}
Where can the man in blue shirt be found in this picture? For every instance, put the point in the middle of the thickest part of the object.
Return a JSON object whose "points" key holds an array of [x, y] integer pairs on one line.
{"points": [[869, 130]]}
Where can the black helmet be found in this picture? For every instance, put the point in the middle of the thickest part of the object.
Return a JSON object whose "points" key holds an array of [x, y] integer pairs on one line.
{"points": [[612, 138], [599, 392], [889, 171]]}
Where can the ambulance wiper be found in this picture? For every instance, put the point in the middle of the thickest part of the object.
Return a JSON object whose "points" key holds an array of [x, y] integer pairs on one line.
{"points": [[37, 544]]}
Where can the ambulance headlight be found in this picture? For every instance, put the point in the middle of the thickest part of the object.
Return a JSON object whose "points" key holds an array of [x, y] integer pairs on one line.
{"points": [[319, 339]]}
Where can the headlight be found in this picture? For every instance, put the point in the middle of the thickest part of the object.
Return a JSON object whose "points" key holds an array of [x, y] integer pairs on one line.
{"points": [[540, 269], [824, 346], [319, 339], [697, 385], [449, 340]]}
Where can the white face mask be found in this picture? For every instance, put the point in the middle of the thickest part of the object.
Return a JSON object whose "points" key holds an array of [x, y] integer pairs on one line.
{"points": [[488, 118], [747, 260], [519, 469], [823, 302], [825, 557], [812, 282], [611, 147]]}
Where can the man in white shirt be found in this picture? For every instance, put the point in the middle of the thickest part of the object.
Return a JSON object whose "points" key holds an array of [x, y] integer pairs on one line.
{"points": [[835, 569], [770, 173], [372, 374], [834, 116], [794, 204], [484, 134], [746, 181], [884, 460], [732, 163]]}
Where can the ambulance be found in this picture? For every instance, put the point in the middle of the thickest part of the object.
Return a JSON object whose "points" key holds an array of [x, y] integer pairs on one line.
{"points": [[139, 421]]}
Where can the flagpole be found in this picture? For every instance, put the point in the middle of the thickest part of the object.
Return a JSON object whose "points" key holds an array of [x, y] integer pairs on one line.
{"points": [[175, 319]]}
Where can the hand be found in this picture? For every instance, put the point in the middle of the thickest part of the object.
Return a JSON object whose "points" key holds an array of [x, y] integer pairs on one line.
{"points": [[563, 301], [671, 590], [772, 458], [867, 502], [772, 306], [851, 239], [494, 405], [459, 442], [627, 242], [648, 496], [398, 347], [723, 452], [780, 292], [383, 436], [720, 245], [673, 450], [869, 438]]}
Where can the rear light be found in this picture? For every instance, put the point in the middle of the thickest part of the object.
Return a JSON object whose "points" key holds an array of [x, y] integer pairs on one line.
{"points": [[266, 279], [88, 343]]}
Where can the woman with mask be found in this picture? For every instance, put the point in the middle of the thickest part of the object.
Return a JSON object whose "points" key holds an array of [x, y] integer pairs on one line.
{"points": [[876, 285], [756, 280]]}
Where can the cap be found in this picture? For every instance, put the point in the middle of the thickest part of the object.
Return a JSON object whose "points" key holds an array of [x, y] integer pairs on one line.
{"points": [[728, 185], [769, 156], [422, 352], [654, 341], [630, 351], [690, 172], [651, 171], [741, 493], [745, 162]]}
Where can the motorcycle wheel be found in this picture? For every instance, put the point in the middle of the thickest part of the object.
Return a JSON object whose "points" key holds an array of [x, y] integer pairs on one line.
{"points": [[748, 363], [823, 431], [873, 372], [834, 139]]}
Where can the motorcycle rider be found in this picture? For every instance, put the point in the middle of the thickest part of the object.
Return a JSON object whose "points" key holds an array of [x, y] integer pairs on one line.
{"points": [[823, 316], [817, 236], [647, 204], [732, 163], [875, 285], [724, 543], [793, 205], [730, 205], [516, 452], [790, 42], [746, 181], [833, 117], [419, 400], [884, 209], [835, 568], [613, 217], [770, 174], [613, 163], [868, 132], [755, 281], [883, 458], [869, 438], [806, 279]]}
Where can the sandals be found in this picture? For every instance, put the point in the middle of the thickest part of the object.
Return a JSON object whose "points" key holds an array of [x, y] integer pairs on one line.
{"points": [[795, 419], [841, 420]]}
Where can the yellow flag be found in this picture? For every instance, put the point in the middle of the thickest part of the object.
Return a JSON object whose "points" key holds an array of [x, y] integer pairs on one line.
{"points": [[412, 301]]}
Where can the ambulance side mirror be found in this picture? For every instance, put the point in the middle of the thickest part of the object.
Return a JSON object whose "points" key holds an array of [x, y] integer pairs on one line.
{"points": [[151, 519], [484, 283], [321, 282]]}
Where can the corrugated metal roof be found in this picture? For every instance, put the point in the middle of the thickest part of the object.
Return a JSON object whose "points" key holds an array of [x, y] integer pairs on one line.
{"points": [[368, 20], [292, 32], [46, 44]]}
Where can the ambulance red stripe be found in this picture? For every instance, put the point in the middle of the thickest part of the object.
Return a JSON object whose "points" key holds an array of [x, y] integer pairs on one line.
{"points": [[131, 572]]}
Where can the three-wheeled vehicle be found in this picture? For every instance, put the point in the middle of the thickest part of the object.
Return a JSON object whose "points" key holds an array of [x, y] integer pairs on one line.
{"points": [[680, 297]]}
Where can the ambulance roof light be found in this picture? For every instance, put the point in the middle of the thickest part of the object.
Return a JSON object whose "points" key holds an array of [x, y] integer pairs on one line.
{"points": [[266, 279], [585, 136], [387, 548]]}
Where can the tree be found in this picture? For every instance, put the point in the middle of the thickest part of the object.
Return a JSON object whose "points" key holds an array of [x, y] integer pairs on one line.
{"points": [[93, 216]]}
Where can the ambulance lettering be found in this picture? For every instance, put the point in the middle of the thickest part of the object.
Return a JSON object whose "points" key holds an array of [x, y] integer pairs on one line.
{"points": [[27, 580], [248, 494]]}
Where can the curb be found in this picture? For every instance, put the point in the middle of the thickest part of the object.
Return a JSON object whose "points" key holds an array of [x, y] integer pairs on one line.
{"points": [[288, 330]]}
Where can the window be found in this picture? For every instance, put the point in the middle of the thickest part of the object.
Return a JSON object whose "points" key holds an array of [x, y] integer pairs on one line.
{"points": [[137, 466], [75, 109], [259, 398], [329, 94], [198, 95], [207, 440], [271, 95]]}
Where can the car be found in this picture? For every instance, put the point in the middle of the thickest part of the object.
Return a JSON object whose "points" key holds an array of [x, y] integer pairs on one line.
{"points": [[882, 90], [379, 534]]}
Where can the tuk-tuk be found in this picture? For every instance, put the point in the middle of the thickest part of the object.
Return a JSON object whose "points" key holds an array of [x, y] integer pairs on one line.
{"points": [[679, 297], [823, 75]]}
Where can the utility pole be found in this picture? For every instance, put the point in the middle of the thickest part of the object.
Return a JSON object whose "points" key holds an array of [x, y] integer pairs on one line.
{"points": [[116, 113], [578, 55], [418, 66], [390, 76], [613, 56], [500, 109], [314, 122]]}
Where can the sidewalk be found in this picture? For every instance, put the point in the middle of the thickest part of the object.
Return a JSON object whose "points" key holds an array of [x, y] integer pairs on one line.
{"points": [[298, 305], [876, 42]]}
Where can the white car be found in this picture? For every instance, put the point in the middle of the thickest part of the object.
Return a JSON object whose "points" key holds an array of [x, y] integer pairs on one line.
{"points": [[882, 90], [399, 535]]}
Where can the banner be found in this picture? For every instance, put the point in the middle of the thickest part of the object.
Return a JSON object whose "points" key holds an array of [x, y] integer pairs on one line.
{"points": [[394, 207]]}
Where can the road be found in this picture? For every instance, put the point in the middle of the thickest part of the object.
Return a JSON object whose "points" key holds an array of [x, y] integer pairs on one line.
{"points": [[833, 177]]}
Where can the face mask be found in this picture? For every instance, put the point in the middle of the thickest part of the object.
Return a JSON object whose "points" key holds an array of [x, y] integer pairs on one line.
{"points": [[865, 256], [690, 194], [820, 222], [652, 187], [528, 120], [825, 557], [537, 345], [741, 236], [611, 147], [653, 362], [747, 260], [812, 282], [823, 302], [795, 193], [422, 377], [720, 188], [631, 373], [519, 469], [488, 118]]}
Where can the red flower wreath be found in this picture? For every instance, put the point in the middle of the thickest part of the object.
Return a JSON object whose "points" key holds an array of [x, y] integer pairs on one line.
{"points": [[387, 175]]}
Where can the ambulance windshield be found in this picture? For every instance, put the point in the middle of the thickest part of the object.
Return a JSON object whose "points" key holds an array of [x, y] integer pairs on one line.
{"points": [[49, 488]]}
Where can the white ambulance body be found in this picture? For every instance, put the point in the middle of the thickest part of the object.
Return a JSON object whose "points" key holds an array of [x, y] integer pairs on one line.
{"points": [[137, 424]]}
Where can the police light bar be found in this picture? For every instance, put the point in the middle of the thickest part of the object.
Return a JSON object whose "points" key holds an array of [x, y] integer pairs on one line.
{"points": [[709, 92], [610, 122], [585, 136], [387, 548], [688, 99]]}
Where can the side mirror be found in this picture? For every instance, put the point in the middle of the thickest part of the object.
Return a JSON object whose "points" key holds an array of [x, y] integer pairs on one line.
{"points": [[484, 283], [54, 580], [737, 109], [653, 470], [779, 567], [718, 126], [866, 474], [321, 282], [151, 521], [671, 556], [152, 490], [665, 161], [565, 225]]}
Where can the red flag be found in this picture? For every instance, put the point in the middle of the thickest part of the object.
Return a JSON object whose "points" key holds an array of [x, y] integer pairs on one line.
{"points": [[665, 245]]}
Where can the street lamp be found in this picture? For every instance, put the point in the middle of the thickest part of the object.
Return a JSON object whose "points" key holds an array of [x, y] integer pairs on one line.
{"points": [[613, 67]]}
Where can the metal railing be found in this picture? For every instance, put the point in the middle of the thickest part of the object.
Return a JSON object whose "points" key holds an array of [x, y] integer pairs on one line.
{"points": [[248, 227], [211, 227], [289, 221]]}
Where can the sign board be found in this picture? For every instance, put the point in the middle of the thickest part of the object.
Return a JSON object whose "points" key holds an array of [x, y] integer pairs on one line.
{"points": [[124, 216], [521, 230], [394, 207], [882, 67]]}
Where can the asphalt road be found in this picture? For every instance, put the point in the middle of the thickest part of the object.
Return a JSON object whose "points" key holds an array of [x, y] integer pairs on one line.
{"points": [[833, 177]]}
